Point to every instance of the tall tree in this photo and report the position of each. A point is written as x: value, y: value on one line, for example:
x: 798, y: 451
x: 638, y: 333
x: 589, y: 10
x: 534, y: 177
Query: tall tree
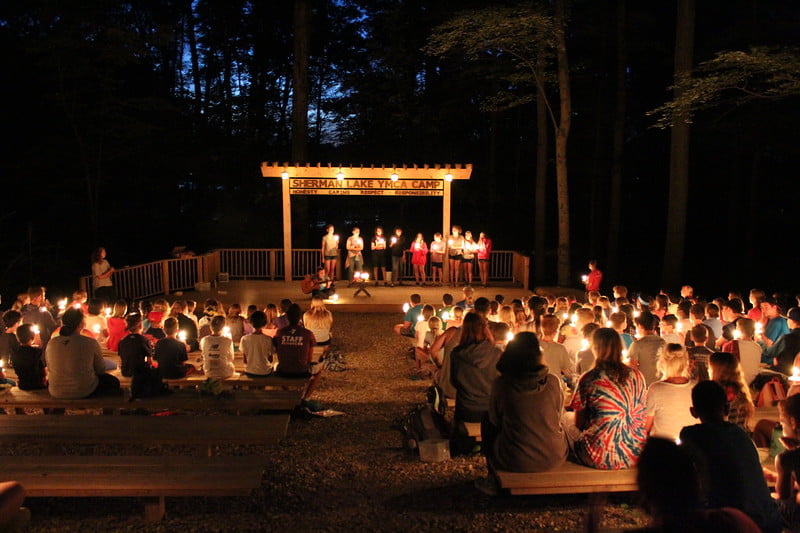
x: 300, y: 85
x: 679, y: 149
x: 615, y: 192
x: 562, y: 138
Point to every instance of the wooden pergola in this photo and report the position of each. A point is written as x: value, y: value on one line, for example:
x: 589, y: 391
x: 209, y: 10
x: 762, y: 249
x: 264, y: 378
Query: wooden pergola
x: 328, y: 179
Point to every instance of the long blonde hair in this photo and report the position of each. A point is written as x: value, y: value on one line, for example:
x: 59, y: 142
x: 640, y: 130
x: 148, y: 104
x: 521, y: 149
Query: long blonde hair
x: 318, y: 316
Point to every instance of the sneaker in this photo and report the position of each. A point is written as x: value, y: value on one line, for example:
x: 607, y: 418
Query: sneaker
x: 487, y: 485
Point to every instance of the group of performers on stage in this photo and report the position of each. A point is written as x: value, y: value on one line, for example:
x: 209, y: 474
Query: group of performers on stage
x: 461, y: 252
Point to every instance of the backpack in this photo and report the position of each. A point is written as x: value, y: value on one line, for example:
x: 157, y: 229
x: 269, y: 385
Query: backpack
x: 771, y: 393
x: 146, y: 383
x: 422, y: 423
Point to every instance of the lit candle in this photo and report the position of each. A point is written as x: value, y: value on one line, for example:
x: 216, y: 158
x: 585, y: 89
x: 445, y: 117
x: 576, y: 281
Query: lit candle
x: 759, y: 328
x: 614, y: 309
x: 336, y: 238
x: 406, y: 307
x: 565, y: 316
x: 450, y: 242
x: 335, y: 297
x: 445, y: 316
x: 365, y: 276
x: 108, y: 312
x: 420, y: 318
x: 74, y: 306
x: 584, y: 278
x: 636, y: 314
x: 43, y: 309
x: 737, y: 335
x: 679, y: 327
x: 678, y: 441
x: 608, y: 323
x: 226, y: 332
x: 574, y: 319
x: 182, y: 336
x: 394, y: 240
x: 509, y: 336
x: 795, y: 375
x: 585, y: 344
x: 35, y: 329
x: 62, y: 304
x: 625, y: 358
x: 96, y: 329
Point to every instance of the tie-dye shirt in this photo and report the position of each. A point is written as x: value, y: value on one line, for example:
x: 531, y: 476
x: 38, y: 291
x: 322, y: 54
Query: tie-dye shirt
x: 616, y: 413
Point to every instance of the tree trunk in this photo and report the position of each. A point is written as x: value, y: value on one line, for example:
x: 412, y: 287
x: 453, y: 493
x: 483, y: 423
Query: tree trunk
x: 615, y: 192
x: 562, y: 136
x: 300, y: 85
x: 540, y: 211
x: 679, y: 152
x: 195, y: 59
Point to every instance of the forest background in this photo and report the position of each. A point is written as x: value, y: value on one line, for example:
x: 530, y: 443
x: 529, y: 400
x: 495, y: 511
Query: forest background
x: 141, y: 125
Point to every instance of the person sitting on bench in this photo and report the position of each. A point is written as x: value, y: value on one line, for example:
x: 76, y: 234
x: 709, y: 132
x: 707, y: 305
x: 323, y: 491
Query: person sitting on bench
x: 294, y: 345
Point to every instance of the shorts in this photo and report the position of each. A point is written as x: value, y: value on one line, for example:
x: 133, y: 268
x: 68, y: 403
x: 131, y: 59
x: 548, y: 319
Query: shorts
x: 468, y: 261
x: 435, y: 264
x: 406, y: 332
x: 289, y: 375
x: 483, y: 260
x: 458, y: 257
x: 331, y: 257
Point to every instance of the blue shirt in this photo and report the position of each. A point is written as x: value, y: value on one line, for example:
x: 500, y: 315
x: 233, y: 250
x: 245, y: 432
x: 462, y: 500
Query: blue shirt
x: 775, y: 328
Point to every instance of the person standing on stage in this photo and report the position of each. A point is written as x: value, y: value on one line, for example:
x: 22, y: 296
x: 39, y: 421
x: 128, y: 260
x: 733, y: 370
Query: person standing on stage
x: 397, y: 248
x: 595, y: 277
x: 330, y: 252
x: 419, y: 256
x: 355, y: 260
x: 378, y: 247
x: 468, y: 257
x: 101, y: 277
x: 455, y: 245
x: 484, y: 251
x: 437, y: 259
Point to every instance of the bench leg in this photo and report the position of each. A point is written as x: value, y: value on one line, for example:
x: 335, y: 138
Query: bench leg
x: 597, y: 500
x: 154, y: 511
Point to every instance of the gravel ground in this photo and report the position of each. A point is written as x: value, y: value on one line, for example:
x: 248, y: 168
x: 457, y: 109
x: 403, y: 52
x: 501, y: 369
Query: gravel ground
x: 346, y: 473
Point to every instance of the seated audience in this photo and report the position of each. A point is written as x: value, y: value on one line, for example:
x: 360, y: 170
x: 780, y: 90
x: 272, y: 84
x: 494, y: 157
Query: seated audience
x: 217, y: 351
x: 554, y: 354
x: 185, y: 324
x: 473, y: 369
x: 319, y: 320
x: 671, y: 490
x: 522, y: 431
x: 669, y: 400
x: 75, y: 364
x: 135, y: 350
x: 408, y: 327
x: 610, y: 408
x: 8, y: 339
x: 28, y: 361
x: 725, y: 370
x: 117, y: 327
x: 726, y: 455
x: 644, y: 351
x: 170, y: 353
x: 745, y: 349
x: 699, y: 352
x: 294, y: 346
x: 96, y: 322
x: 257, y: 349
x: 235, y: 322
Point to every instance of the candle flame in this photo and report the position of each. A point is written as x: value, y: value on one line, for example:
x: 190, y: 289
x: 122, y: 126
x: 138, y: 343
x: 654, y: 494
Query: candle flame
x: 509, y: 336
x: 406, y: 307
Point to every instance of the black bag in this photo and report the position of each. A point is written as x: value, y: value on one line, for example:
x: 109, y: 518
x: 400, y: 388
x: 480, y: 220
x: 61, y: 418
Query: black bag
x: 146, y: 383
x: 420, y: 424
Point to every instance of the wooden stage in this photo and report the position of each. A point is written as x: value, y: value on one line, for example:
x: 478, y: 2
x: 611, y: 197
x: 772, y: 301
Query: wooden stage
x: 382, y: 300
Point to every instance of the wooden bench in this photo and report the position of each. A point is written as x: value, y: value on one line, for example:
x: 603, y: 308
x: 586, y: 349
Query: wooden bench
x: 205, y: 431
x: 151, y: 476
x: 240, y: 401
x: 238, y: 382
x: 571, y: 478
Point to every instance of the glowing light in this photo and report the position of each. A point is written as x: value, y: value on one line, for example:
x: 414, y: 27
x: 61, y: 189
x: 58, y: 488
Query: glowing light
x: 625, y: 358
x: 394, y: 240
x: 574, y: 319
x: 395, y: 177
x: 584, y: 344
x: 584, y: 278
x: 450, y: 242
x: 678, y: 441
x: 445, y: 316
x: 636, y: 314
x: 335, y: 297
x: 340, y: 176
x: 737, y: 335
x: 759, y: 328
x: 284, y: 175
x: 43, y: 309
x: 448, y: 177
x: 795, y: 375
x: 1, y: 364
x: 608, y: 324
x: 96, y: 328
x: 406, y: 307
x: 226, y: 332
x: 614, y: 309
x: 35, y: 329
x: 107, y: 312
x: 679, y: 327
x: 62, y: 304
x: 365, y: 276
x: 74, y: 306
x: 565, y: 316
x: 420, y: 318
x: 336, y: 238
x: 182, y: 336
x: 509, y: 336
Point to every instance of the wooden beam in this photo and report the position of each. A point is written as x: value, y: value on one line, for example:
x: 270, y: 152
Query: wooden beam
x: 457, y: 171
x: 287, y: 231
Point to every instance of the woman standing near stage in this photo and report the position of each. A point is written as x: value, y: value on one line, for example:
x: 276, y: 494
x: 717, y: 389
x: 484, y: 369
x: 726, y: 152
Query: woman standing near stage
x: 455, y: 245
x: 419, y: 256
x: 378, y: 247
x: 330, y: 252
x: 468, y: 257
x: 484, y: 251
x: 437, y: 258
x: 101, y: 277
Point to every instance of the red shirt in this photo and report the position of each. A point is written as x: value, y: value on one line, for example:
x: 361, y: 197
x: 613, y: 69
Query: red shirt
x: 594, y: 281
x: 419, y: 253
x: 484, y: 248
x: 294, y: 345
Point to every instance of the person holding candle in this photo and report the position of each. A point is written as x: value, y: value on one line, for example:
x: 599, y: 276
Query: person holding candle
x: 455, y: 249
x: 96, y: 322
x: 116, y: 325
x: 554, y: 354
x: 645, y: 350
x: 745, y: 349
x: 185, y: 324
x: 28, y: 362
x: 330, y: 251
x: 438, y: 248
x: 378, y: 247
x: 468, y: 257
x: 726, y: 370
x: 594, y: 278
x: 8, y: 339
x: 408, y: 327
x: 775, y: 324
x: 419, y: 257
x: 38, y: 312
x: 135, y: 350
x: 782, y: 353
x: 610, y: 408
x: 669, y: 400
x: 170, y: 353
x: 355, y: 259
x: 397, y: 248
x: 484, y: 253
x: 101, y: 276
x: 217, y: 351
x: 257, y: 349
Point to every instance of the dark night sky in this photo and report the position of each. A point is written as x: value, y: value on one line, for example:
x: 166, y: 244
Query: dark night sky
x: 85, y: 105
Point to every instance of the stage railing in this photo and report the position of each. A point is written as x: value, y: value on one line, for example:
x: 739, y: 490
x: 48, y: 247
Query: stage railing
x: 170, y: 275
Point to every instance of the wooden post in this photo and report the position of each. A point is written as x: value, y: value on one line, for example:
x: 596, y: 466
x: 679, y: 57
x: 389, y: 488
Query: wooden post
x: 165, y: 276
x: 446, y: 230
x: 287, y: 231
